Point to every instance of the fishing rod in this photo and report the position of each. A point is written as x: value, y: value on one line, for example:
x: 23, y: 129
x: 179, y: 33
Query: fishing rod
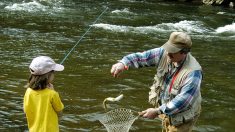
x: 66, y: 56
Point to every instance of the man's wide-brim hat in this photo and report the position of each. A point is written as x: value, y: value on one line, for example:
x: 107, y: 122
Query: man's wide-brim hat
x: 177, y: 41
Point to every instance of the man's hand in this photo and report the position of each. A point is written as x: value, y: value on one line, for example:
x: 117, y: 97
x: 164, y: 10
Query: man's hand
x: 117, y: 69
x: 150, y: 113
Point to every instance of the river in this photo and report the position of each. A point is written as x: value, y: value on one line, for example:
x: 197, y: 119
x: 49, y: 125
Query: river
x: 31, y: 28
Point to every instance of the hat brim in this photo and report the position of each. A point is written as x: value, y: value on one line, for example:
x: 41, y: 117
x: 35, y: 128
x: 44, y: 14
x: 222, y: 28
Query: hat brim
x: 170, y: 48
x: 58, y: 67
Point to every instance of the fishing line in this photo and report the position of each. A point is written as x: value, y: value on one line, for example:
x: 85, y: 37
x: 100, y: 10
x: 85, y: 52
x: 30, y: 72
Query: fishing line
x: 66, y: 56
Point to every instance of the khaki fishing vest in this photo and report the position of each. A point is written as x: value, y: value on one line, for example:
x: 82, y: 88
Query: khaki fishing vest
x: 189, y: 65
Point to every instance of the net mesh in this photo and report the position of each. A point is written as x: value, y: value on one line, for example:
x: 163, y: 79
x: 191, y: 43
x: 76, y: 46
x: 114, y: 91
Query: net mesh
x: 118, y: 120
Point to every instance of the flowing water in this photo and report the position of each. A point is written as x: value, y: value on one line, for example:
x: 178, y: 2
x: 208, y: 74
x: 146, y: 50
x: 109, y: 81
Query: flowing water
x: 32, y: 28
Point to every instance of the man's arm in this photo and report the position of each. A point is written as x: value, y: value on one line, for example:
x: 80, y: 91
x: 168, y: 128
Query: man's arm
x: 146, y: 58
x: 141, y: 59
x: 189, y: 91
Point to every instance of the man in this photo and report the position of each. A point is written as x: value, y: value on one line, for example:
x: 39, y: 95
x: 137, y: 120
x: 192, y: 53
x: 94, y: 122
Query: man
x: 175, y: 93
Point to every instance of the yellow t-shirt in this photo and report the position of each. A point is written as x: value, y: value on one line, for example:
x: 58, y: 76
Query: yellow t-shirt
x: 41, y: 107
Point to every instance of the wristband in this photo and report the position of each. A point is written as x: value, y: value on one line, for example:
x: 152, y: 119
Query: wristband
x: 126, y: 67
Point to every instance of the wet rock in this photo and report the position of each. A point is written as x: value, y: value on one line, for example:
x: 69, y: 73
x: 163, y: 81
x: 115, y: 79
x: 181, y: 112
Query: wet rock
x: 227, y: 3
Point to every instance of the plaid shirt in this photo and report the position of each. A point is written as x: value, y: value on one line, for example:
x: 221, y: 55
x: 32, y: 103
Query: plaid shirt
x: 189, y: 90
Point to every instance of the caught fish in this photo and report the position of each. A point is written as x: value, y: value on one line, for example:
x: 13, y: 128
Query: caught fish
x: 111, y: 99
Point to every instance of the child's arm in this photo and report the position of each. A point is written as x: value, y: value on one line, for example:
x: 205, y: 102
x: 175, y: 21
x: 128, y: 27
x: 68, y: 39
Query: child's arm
x: 57, y: 104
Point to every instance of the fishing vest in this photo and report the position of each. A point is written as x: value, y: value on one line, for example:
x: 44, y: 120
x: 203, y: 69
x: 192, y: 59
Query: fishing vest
x: 190, y: 64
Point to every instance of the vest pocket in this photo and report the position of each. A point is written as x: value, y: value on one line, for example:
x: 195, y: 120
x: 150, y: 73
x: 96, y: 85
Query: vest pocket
x: 188, y: 116
x: 181, y: 118
x: 176, y: 120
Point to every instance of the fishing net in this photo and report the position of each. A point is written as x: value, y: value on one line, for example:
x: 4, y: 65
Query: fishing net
x: 118, y: 120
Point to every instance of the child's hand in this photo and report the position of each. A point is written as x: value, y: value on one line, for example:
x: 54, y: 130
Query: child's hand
x: 50, y: 86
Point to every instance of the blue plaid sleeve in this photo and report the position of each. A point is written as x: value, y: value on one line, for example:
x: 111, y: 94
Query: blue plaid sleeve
x: 143, y: 59
x: 189, y: 91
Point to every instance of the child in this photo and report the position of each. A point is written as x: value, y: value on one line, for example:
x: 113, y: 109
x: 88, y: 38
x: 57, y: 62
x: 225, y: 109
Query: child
x: 42, y: 103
